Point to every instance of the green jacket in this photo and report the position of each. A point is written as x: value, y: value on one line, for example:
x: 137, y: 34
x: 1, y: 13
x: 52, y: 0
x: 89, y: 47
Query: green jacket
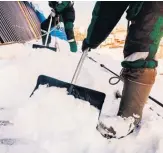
x: 65, y: 9
x: 60, y: 6
x: 105, y: 16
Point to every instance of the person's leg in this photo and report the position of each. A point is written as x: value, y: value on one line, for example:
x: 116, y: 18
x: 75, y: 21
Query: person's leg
x: 70, y: 36
x: 141, y: 45
x: 137, y: 86
x: 68, y: 19
x: 138, y: 71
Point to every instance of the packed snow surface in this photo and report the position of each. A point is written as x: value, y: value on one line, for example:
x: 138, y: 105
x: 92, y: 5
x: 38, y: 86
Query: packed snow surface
x: 52, y: 121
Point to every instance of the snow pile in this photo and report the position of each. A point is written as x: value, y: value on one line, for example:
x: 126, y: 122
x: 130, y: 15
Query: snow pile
x: 116, y: 126
x: 52, y: 121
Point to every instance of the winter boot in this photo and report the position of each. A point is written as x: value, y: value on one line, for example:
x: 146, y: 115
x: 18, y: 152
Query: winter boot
x: 73, y: 46
x: 136, y: 89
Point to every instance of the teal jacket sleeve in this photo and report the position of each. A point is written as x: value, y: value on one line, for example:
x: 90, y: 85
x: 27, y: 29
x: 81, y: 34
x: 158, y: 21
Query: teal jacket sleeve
x: 105, y: 16
x: 60, y: 7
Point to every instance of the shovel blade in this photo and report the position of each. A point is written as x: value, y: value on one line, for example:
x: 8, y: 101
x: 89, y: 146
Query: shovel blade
x: 94, y: 97
x: 41, y: 46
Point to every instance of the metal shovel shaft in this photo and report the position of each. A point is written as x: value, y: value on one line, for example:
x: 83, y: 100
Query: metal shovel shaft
x: 78, y: 69
x: 48, y: 31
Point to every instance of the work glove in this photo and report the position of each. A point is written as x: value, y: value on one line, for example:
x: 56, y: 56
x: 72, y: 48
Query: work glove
x: 85, y: 46
x: 53, y: 13
x: 55, y: 16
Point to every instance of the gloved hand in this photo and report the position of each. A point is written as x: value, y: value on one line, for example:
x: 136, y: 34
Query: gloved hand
x: 53, y: 13
x: 55, y: 16
x: 85, y: 46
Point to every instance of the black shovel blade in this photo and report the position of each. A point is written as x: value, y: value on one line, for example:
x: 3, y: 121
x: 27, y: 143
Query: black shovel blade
x: 41, y: 46
x: 94, y: 97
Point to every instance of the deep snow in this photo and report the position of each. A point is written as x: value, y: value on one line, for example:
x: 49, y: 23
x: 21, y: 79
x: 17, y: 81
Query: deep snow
x: 53, y: 122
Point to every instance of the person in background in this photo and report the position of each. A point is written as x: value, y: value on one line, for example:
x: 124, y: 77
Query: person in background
x: 139, y: 64
x: 64, y: 11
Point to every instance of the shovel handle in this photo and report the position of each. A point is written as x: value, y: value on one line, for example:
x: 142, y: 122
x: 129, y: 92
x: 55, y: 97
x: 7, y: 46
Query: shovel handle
x: 79, y: 66
x: 78, y: 69
x: 47, y: 36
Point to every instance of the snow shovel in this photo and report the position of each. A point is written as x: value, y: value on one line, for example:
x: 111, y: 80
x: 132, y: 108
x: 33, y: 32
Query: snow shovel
x: 94, y: 97
x: 47, y: 36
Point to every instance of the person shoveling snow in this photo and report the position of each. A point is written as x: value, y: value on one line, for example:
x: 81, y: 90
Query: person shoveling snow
x: 139, y: 65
